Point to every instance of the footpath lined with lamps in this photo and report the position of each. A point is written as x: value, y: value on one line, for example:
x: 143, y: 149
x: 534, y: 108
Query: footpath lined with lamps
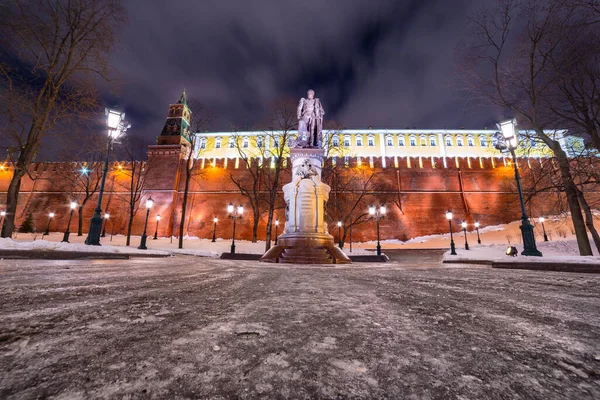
x: 508, y: 140
x: 73, y: 206
x: 149, y: 205
x: 116, y: 124
x: 377, y: 214
x: 235, y: 214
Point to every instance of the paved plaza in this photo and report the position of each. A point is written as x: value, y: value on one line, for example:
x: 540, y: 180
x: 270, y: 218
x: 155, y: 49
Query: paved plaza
x: 189, y: 327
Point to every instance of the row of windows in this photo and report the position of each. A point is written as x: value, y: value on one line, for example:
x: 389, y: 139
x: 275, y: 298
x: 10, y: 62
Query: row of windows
x: 422, y: 141
x: 412, y: 141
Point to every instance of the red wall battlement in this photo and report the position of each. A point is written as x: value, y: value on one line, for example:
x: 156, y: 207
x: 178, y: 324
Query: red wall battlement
x: 476, y: 189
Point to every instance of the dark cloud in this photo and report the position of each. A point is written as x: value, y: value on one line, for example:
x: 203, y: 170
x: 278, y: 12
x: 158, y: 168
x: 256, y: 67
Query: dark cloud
x: 381, y: 63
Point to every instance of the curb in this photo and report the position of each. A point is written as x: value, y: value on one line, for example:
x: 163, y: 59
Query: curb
x: 558, y: 267
x: 537, y: 266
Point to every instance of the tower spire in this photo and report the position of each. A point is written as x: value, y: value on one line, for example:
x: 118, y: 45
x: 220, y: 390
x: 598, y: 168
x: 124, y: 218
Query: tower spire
x: 183, y: 99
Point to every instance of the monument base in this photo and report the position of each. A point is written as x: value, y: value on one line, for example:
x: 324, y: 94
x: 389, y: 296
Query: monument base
x: 305, y: 248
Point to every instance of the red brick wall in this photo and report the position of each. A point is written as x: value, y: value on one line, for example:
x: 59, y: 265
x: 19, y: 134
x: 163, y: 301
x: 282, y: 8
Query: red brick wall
x: 487, y: 195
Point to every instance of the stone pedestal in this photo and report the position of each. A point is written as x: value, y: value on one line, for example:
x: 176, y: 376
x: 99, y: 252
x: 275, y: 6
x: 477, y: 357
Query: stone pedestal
x: 305, y: 239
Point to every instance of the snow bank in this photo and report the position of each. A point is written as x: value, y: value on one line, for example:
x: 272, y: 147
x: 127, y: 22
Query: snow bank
x: 45, y: 245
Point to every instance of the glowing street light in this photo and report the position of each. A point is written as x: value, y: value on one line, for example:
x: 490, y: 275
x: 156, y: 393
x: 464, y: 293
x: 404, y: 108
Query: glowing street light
x: 377, y: 214
x: 509, y: 134
x: 158, y: 217
x: 542, y: 219
x: 115, y: 121
x: 215, y: 220
x: 276, y: 226
x: 149, y: 205
x: 477, y: 229
x: 235, y: 215
x: 106, y: 217
x: 50, y: 218
x: 464, y: 226
x: 339, y: 225
x: 452, y: 246
x: 73, y: 206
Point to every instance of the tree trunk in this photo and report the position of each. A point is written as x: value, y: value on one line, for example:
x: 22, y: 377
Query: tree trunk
x: 129, y: 225
x: 255, y: 225
x: 583, y: 241
x: 80, y: 220
x: 12, y: 199
x: 184, y: 206
x: 589, y: 219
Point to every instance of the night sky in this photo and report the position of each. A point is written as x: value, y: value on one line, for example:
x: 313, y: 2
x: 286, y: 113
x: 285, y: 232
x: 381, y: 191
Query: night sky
x: 380, y: 63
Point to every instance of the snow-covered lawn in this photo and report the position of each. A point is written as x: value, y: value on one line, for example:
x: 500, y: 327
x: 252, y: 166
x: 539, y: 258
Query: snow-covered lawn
x: 553, y: 252
x: 57, y: 246
x: 494, y: 242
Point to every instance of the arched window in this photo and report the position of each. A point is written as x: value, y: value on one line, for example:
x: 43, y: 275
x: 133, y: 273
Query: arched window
x: 335, y: 140
x: 460, y: 142
x: 389, y: 140
x: 448, y: 140
x: 483, y: 141
x: 347, y: 140
x: 231, y: 142
x: 401, y: 140
x: 470, y: 141
x: 423, y: 140
x: 218, y: 143
x: 276, y: 142
x: 203, y: 143
x: 260, y: 141
x: 413, y: 140
x: 245, y: 142
x: 359, y: 140
x: 432, y: 140
x: 371, y: 140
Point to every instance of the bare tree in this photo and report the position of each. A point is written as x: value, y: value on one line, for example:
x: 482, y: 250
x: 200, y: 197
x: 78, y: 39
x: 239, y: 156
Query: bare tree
x: 507, y: 61
x: 83, y: 180
x: 133, y: 180
x: 200, y: 120
x: 250, y: 175
x: 281, y: 132
x: 353, y: 191
x: 60, y: 47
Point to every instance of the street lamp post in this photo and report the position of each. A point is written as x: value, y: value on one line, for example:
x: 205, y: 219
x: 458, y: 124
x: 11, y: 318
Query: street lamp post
x: 377, y: 215
x: 276, y: 229
x: 464, y: 226
x: 68, y: 232
x: 158, y: 217
x: 339, y: 225
x: 2, y: 216
x: 510, y: 142
x: 477, y: 229
x: 215, y: 220
x: 452, y: 246
x: 116, y: 124
x: 234, y: 214
x: 149, y: 204
x: 106, y: 217
x: 542, y: 219
x: 50, y: 217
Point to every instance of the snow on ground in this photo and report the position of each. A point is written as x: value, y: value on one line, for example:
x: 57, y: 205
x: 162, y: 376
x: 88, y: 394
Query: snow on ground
x: 221, y: 329
x: 50, y: 246
x: 553, y: 252
x: 494, y: 239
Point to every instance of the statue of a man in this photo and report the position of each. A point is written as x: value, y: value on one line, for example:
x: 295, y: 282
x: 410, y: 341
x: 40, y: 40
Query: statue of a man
x: 310, y: 121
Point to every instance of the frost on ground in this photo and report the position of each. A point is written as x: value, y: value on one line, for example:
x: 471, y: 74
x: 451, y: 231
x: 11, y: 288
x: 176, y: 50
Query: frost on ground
x: 186, y: 327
